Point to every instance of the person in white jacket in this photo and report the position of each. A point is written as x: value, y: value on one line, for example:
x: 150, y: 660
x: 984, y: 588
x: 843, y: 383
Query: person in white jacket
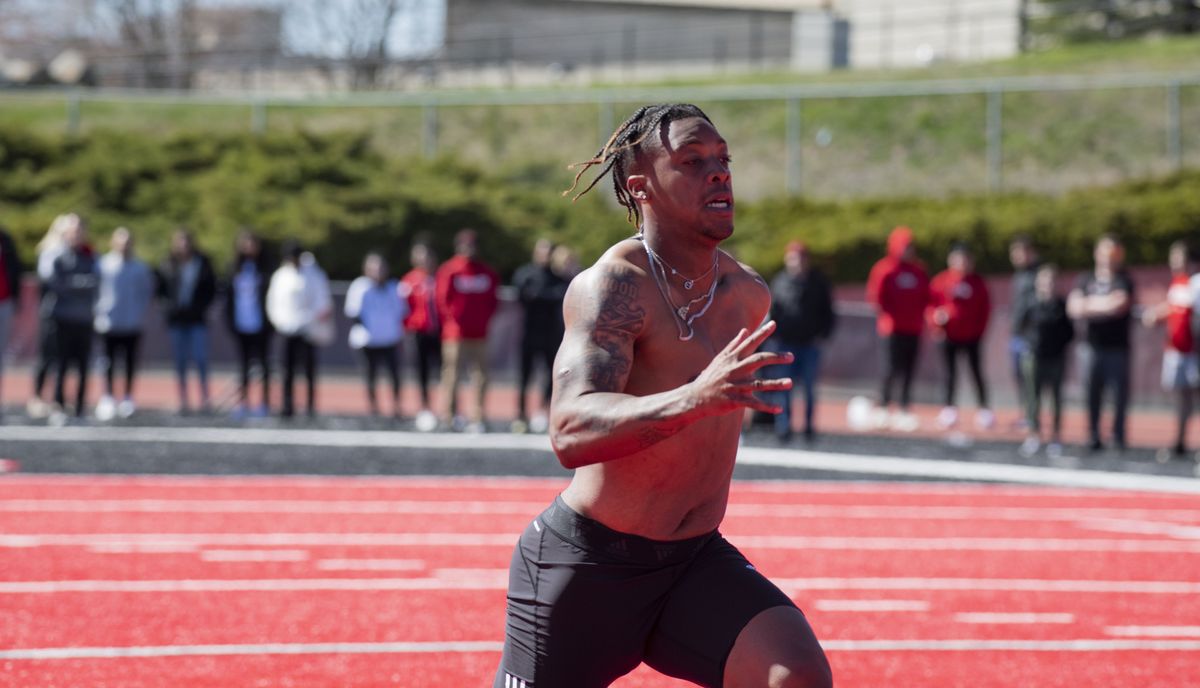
x: 298, y: 306
x: 377, y: 309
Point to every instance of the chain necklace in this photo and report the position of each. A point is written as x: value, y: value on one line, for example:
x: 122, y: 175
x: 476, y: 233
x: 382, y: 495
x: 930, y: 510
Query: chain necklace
x: 683, y: 315
x: 688, y: 283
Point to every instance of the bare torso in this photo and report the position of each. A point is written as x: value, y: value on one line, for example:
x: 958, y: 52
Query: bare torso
x: 675, y: 487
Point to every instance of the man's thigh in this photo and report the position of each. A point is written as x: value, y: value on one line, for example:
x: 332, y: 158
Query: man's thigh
x: 708, y: 608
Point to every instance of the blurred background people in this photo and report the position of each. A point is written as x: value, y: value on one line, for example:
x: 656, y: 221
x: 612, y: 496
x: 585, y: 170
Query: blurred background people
x: 540, y: 291
x: 187, y: 286
x: 1047, y: 331
x: 10, y: 295
x: 467, y: 300
x: 246, y: 317
x: 48, y: 250
x: 898, y: 287
x: 419, y: 288
x: 1023, y: 256
x: 71, y: 304
x: 1180, y: 365
x: 959, y: 310
x: 1103, y: 299
x: 374, y: 304
x: 295, y: 305
x: 126, y: 287
x: 802, y: 308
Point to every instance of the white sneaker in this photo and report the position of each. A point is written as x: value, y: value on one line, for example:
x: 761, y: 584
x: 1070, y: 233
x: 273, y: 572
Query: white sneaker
x: 126, y: 408
x: 106, y: 408
x: 539, y: 423
x: 948, y: 418
x: 37, y: 409
x: 426, y: 421
x: 985, y: 419
x: 475, y: 428
x: 1030, y: 447
x: 57, y: 417
x: 880, y: 418
x: 1054, y: 450
x: 903, y: 421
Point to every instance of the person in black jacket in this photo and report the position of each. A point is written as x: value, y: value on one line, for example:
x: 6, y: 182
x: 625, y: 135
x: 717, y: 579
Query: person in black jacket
x: 802, y: 308
x: 71, y: 303
x: 1023, y: 255
x: 187, y: 286
x: 1047, y: 331
x: 10, y: 292
x: 246, y: 317
x: 541, y: 290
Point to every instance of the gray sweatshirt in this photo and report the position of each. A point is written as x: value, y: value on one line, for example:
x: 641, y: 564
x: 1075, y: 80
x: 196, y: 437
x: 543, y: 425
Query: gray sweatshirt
x: 126, y: 287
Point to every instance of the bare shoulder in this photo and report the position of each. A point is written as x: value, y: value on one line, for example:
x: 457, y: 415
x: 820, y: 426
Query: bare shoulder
x: 749, y: 286
x: 608, y: 295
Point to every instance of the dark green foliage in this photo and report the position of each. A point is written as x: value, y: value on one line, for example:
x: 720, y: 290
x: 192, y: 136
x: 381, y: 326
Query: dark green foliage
x: 340, y: 196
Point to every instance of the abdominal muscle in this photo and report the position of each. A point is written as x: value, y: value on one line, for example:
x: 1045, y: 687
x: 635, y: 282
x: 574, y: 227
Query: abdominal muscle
x: 676, y: 489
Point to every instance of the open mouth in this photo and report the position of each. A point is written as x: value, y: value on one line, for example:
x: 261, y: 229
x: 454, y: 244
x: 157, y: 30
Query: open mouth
x: 720, y: 203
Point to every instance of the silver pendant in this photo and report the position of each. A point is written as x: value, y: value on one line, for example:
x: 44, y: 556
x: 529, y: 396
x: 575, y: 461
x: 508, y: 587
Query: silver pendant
x: 688, y: 284
x: 683, y: 311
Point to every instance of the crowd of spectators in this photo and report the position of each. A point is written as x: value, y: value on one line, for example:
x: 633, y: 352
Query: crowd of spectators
x: 283, y: 311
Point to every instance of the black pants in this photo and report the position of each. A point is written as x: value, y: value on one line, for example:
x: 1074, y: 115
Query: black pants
x: 385, y: 356
x: 254, y: 348
x: 125, y: 346
x: 900, y: 362
x: 74, y: 348
x: 533, y: 351
x: 429, y: 354
x: 1042, y: 374
x: 47, y: 354
x: 298, y: 351
x: 950, y: 353
x: 1108, y: 368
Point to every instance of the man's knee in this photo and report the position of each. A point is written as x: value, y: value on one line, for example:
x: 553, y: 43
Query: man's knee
x: 811, y: 672
x: 777, y: 649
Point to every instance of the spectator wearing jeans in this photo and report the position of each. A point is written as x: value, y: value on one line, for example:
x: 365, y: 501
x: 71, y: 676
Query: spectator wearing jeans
x: 541, y: 291
x: 374, y: 304
x: 10, y: 293
x: 74, y: 279
x: 1103, y: 299
x: 802, y: 308
x: 187, y: 286
x: 126, y: 287
x: 246, y: 318
x: 898, y: 287
x: 959, y: 309
x: 1180, y: 366
x: 419, y: 287
x: 466, y: 295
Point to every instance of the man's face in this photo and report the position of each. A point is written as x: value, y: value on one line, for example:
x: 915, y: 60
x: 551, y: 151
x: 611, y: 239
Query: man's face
x: 961, y: 261
x: 181, y: 244
x: 1108, y: 254
x: 541, y: 252
x: 795, y: 261
x: 374, y: 268
x: 466, y: 247
x: 687, y: 178
x: 120, y: 241
x: 1020, y: 254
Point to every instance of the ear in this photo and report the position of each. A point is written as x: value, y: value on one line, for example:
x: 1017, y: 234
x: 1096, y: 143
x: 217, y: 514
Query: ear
x: 638, y: 186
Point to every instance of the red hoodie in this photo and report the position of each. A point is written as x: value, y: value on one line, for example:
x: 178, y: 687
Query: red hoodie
x: 898, y: 289
x: 466, y: 298
x: 421, y: 292
x: 1179, y: 315
x: 964, y: 299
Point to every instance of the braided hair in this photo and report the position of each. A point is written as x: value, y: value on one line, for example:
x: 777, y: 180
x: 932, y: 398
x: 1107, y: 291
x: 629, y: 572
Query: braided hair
x: 618, y: 154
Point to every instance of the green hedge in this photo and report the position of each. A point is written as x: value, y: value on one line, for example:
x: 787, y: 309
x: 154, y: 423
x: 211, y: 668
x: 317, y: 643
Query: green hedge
x: 342, y: 197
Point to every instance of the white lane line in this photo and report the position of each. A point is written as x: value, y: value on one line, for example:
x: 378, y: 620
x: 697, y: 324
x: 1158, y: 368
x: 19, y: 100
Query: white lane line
x: 1081, y: 645
x: 156, y: 547
x: 775, y: 542
x: 1096, y: 517
x: 263, y: 649
x: 371, y: 565
x: 1027, y: 618
x: 1143, y: 527
x: 871, y: 605
x: 1154, y: 631
x: 253, y: 555
x: 992, y: 584
x: 539, y: 445
x: 497, y: 579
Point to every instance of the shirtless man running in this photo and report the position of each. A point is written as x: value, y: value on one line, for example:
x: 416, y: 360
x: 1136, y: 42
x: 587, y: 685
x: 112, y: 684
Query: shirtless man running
x: 651, y: 381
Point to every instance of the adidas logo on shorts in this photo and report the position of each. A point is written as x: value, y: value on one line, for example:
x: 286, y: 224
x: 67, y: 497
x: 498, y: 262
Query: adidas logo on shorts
x: 511, y: 681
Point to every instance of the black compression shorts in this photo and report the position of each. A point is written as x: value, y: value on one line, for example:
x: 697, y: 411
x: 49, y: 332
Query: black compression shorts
x: 588, y: 604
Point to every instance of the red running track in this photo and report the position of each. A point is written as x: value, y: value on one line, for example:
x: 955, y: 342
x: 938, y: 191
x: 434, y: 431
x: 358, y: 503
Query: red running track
x: 149, y: 581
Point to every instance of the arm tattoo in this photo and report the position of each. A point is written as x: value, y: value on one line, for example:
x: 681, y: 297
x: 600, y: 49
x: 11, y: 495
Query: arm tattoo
x: 619, y: 319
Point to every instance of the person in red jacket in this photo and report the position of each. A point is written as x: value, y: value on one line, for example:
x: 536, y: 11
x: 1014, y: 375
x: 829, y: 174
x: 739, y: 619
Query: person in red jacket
x: 959, y: 309
x: 419, y: 287
x: 1180, y: 366
x: 466, y: 297
x: 898, y: 287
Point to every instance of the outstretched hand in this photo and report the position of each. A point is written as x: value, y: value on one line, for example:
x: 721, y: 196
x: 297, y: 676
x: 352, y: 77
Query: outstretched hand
x: 728, y: 383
